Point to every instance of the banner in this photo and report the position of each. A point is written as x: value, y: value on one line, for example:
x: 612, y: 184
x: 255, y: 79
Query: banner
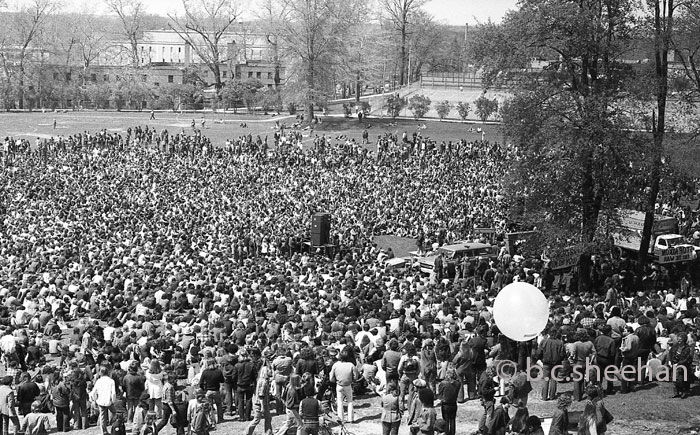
x: 676, y: 254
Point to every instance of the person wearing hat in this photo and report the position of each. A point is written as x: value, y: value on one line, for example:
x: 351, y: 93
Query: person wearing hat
x: 35, y: 422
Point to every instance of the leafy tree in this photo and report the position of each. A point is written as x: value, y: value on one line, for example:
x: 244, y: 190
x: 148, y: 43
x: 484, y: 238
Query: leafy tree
x: 419, y: 105
x: 578, y: 151
x: 443, y: 109
x: 463, y: 110
x: 314, y: 33
x: 485, y: 107
x: 394, y: 104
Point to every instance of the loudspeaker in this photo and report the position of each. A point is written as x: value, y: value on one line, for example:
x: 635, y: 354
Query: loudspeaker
x: 320, y: 229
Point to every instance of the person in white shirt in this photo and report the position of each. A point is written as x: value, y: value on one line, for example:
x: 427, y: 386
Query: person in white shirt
x: 104, y: 393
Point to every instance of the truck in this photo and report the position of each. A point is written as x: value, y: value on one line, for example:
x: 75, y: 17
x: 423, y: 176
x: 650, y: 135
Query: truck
x: 666, y: 245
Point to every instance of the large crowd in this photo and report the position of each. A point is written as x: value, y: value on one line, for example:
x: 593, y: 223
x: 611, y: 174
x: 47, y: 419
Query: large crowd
x: 153, y: 279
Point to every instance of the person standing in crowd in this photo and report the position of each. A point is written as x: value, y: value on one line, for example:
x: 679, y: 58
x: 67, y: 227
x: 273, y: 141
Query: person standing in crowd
x: 7, y: 406
x: 629, y: 349
x: 244, y: 375
x: 606, y: 354
x: 104, y: 394
x: 27, y: 391
x: 391, y: 409
x: 61, y: 403
x: 447, y: 392
x: 344, y: 373
x: 210, y: 381
x: 681, y: 358
x: 261, y: 400
x: 154, y: 387
x: 584, y: 352
x: 310, y: 412
x: 133, y: 385
x: 551, y: 352
x: 500, y: 420
x: 560, y: 418
x: 487, y: 391
x: 169, y: 397
x: 291, y: 403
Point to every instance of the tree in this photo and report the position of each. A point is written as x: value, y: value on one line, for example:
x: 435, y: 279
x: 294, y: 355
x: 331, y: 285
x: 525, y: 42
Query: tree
x: 314, y: 34
x: 131, y: 16
x: 463, y: 110
x: 485, y: 107
x: 203, y: 27
x: 419, y: 105
x: 443, y: 109
x: 578, y: 150
x: 394, y: 104
x: 400, y: 13
x: 21, y: 32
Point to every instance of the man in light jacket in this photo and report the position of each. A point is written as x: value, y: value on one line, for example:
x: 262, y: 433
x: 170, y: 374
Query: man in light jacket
x: 104, y: 393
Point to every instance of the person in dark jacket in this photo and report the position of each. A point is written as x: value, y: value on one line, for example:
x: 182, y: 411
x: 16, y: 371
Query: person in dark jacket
x: 647, y: 340
x: 681, y: 356
x: 244, y: 376
x: 210, y: 381
x: 447, y: 391
x: 133, y: 385
x: 479, y: 346
x: 61, y: 402
x: 487, y: 390
x: 27, y: 391
x: 606, y: 353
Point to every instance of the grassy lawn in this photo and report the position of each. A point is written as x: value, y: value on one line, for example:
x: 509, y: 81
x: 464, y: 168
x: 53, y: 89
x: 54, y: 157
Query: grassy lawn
x: 220, y: 127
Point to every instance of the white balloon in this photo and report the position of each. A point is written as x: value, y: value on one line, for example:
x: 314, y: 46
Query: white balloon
x: 520, y: 311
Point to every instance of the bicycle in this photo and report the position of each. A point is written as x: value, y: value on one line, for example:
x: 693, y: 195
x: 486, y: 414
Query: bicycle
x: 327, y: 429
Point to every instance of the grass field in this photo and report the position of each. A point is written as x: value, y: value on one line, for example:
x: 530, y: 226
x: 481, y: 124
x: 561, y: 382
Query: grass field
x: 219, y: 127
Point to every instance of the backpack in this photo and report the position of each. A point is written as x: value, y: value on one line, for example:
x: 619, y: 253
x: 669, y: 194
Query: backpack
x: 118, y: 427
x: 201, y: 422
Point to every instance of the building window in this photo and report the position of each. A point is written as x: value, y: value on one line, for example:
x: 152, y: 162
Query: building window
x: 171, y: 79
x: 106, y: 77
x: 269, y: 76
x: 258, y: 75
x: 250, y: 74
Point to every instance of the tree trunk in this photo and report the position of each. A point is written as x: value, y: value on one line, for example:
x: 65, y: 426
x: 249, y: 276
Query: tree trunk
x: 358, y: 87
x: 663, y: 29
x: 310, y: 83
x: 402, y: 80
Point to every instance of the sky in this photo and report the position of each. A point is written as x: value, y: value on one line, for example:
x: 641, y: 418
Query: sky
x: 459, y: 12
x: 454, y: 12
